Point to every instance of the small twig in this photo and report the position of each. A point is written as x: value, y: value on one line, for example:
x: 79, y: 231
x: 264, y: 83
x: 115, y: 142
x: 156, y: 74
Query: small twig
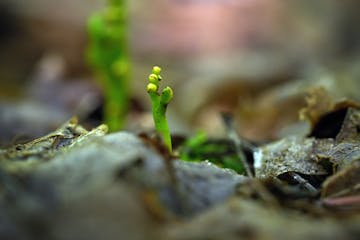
x: 303, y: 182
x: 239, y: 143
x: 343, y: 202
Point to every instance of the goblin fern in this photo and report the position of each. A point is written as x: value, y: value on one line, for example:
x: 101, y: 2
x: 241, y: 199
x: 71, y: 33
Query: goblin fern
x: 108, y: 55
x: 159, y: 102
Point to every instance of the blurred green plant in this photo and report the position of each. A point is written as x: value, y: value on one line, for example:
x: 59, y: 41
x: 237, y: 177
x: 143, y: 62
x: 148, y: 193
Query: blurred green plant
x: 159, y: 104
x: 220, y: 152
x: 108, y: 55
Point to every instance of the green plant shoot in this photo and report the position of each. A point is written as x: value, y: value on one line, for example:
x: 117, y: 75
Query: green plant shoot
x: 107, y: 53
x: 217, y: 151
x: 159, y: 102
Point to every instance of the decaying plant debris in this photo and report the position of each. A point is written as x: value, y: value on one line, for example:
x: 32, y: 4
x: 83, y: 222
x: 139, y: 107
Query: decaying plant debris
x: 81, y: 184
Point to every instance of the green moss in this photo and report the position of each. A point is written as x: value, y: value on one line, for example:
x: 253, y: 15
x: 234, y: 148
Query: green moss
x: 217, y: 151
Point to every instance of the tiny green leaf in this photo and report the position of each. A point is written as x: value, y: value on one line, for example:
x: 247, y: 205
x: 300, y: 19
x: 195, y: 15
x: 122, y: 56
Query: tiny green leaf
x: 166, y: 95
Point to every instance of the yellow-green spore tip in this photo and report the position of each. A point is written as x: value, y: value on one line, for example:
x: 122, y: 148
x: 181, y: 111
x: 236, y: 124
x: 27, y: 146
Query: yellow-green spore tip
x: 156, y: 70
x: 153, y: 78
x: 151, y: 88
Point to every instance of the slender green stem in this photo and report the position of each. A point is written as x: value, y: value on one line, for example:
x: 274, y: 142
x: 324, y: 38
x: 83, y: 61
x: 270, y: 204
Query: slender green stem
x: 161, y: 124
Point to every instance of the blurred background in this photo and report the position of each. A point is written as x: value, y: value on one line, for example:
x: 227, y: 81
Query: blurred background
x: 256, y: 58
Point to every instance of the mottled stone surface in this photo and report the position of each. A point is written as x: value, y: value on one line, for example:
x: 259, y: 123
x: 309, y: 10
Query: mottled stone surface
x: 292, y: 154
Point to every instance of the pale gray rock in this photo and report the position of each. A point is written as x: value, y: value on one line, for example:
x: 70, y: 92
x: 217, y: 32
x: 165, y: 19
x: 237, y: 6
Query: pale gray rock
x: 94, y: 164
x: 205, y: 184
x: 98, y: 186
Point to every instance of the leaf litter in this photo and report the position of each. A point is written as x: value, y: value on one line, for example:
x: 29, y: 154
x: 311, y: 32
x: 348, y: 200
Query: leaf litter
x: 298, y: 187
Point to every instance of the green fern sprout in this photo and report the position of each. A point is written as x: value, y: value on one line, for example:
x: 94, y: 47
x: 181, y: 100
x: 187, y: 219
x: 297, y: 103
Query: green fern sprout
x: 159, y: 104
x: 108, y: 55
